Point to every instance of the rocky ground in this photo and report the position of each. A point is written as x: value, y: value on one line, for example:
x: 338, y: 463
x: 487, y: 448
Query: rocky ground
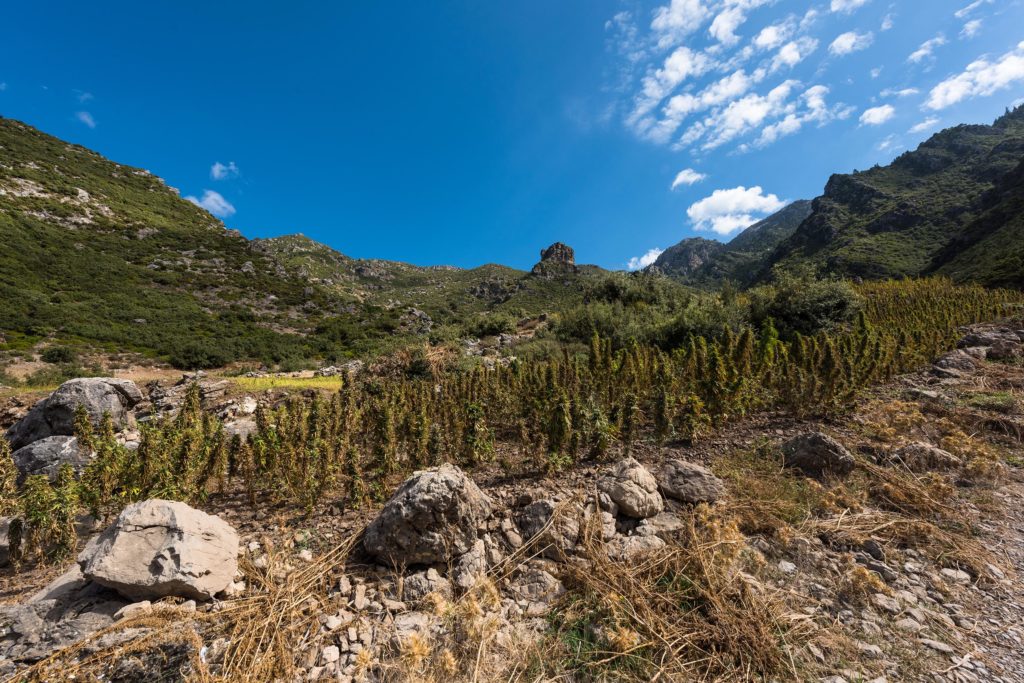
x: 883, y: 544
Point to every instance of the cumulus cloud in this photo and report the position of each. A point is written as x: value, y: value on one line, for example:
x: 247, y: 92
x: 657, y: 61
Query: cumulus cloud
x: 638, y: 262
x: 221, y: 171
x: 682, y: 64
x: 927, y: 49
x: 675, y: 21
x: 213, y: 202
x: 794, y: 52
x: 86, y: 118
x: 814, y: 109
x: 847, y: 6
x: 927, y: 124
x: 771, y: 37
x: 851, y: 41
x: 727, y: 211
x: 687, y: 177
x: 981, y: 78
x: 876, y: 116
x: 971, y: 28
x: 887, y: 22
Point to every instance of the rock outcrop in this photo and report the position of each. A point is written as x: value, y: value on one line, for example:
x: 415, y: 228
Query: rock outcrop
x: 923, y: 457
x: 689, y: 483
x: 558, y: 259
x: 55, y: 415
x: 816, y: 454
x: 432, y: 518
x: 158, y: 548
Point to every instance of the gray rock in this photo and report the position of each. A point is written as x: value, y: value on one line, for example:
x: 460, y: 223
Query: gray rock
x: 630, y: 548
x: 158, y: 548
x: 5, y: 548
x: 923, y: 457
x: 817, y: 454
x: 420, y: 584
x: 55, y: 415
x: 663, y: 526
x: 47, y: 455
x: 689, y: 482
x: 633, y: 489
x: 556, y: 539
x: 432, y: 518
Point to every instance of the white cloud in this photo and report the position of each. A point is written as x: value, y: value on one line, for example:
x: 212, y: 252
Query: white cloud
x: 961, y: 13
x: 772, y: 36
x: 3, y: 86
x: 815, y: 110
x: 876, y: 116
x: 980, y: 78
x: 927, y: 124
x: 927, y: 49
x: 221, y: 171
x: 214, y: 203
x: 723, y: 28
x: 971, y: 28
x: 851, y: 41
x: 86, y: 118
x: 638, y: 262
x: 794, y: 52
x: 876, y: 72
x: 677, y: 20
x: 890, y: 142
x: 682, y: 64
x: 887, y: 22
x: 727, y: 211
x: 687, y: 177
x: 905, y: 92
x: 84, y: 96
x: 847, y: 6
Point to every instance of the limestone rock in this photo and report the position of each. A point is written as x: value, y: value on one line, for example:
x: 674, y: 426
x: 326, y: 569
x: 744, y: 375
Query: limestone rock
x: 420, y: 584
x: 557, y: 539
x: 689, y: 482
x: 432, y: 518
x: 47, y: 455
x: 158, y: 548
x: 817, y: 454
x: 923, y: 457
x: 55, y: 415
x: 558, y: 259
x: 633, y: 489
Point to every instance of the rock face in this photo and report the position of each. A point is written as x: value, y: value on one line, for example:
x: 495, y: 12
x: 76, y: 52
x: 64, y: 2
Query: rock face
x: 158, y: 548
x: 558, y: 259
x: 432, y: 518
x: 633, y: 489
x: 923, y: 457
x: 46, y: 456
x: 55, y: 415
x: 689, y: 483
x: 817, y: 454
x: 555, y: 530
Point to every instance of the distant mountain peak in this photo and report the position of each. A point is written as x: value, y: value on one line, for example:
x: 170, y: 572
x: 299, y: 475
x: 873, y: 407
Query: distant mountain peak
x: 558, y: 259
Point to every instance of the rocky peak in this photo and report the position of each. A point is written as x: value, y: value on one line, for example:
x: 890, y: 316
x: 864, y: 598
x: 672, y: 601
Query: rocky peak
x: 557, y: 259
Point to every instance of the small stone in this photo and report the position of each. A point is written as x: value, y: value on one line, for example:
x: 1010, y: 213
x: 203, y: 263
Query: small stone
x: 955, y: 575
x: 330, y: 654
x: 133, y: 610
x: 359, y: 600
x: 936, y: 645
x: 908, y: 625
x: 306, y: 555
x: 885, y: 603
x: 787, y: 567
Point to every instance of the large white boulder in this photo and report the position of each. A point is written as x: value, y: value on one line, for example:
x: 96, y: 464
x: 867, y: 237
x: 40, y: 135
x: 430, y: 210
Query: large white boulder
x: 633, y: 489
x: 157, y: 548
x: 432, y: 518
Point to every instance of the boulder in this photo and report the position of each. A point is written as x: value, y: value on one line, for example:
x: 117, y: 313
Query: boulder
x: 432, y: 518
x: 1003, y: 350
x: 923, y: 457
x: 633, y: 489
x: 47, y: 455
x: 554, y: 529
x: 157, y: 548
x: 689, y: 482
x: 817, y: 454
x: 957, y: 360
x: 417, y: 586
x: 55, y: 415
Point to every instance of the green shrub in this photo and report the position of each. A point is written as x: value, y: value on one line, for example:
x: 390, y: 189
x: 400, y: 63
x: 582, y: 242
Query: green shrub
x: 59, y: 354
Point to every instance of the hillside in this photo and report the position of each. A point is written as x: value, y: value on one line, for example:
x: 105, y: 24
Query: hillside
x: 949, y: 207
x: 709, y: 263
x: 101, y: 254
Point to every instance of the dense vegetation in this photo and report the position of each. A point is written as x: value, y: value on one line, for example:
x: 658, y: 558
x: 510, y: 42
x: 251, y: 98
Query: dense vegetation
x: 529, y: 416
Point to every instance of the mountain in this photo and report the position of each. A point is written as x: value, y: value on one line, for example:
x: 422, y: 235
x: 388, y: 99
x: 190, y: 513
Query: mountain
x: 952, y: 206
x: 102, y: 254
x: 708, y: 263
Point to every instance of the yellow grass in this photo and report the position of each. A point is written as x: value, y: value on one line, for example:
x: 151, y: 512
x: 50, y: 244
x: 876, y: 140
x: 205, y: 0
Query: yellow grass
x: 265, y: 383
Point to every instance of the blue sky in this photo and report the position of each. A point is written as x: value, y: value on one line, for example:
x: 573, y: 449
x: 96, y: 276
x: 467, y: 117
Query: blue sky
x: 466, y: 132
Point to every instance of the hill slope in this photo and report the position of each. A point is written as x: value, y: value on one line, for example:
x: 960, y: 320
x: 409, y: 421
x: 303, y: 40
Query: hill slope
x: 101, y: 253
x: 951, y: 206
x: 709, y: 263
